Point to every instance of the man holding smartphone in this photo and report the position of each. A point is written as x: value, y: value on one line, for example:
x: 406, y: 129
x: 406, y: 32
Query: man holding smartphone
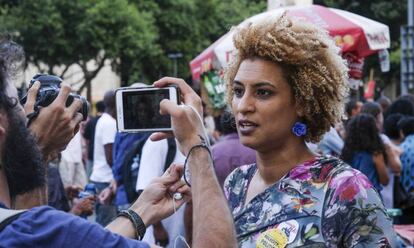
x: 46, y: 227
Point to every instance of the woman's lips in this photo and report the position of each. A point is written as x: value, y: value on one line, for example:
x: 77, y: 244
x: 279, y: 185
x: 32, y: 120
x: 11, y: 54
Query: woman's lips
x: 246, y: 127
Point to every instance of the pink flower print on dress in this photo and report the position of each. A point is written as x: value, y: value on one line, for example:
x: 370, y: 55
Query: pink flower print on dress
x: 301, y: 173
x: 348, y: 184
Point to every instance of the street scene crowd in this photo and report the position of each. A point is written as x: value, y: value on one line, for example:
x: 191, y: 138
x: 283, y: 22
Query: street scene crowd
x: 292, y: 159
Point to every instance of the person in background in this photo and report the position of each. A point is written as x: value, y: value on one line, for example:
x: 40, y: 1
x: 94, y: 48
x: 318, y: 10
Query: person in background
x: 102, y: 175
x: 409, y: 97
x: 385, y: 103
x: 392, y: 152
x: 391, y: 128
x: 152, y: 165
x: 406, y: 125
x: 70, y: 164
x: 60, y: 197
x: 401, y: 106
x: 364, y: 149
x: 331, y: 143
x: 228, y: 153
x: 352, y: 108
x: 89, y: 135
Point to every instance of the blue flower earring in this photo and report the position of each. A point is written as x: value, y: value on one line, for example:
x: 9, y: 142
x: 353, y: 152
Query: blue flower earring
x: 299, y: 129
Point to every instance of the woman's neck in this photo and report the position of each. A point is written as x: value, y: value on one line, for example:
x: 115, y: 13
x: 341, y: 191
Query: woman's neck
x: 274, y: 164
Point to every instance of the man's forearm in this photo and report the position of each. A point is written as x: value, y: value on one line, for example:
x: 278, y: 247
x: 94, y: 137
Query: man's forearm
x: 123, y: 227
x: 212, y: 221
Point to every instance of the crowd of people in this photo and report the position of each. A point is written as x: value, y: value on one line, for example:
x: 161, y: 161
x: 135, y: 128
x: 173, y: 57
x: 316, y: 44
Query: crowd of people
x: 375, y: 138
x: 286, y: 168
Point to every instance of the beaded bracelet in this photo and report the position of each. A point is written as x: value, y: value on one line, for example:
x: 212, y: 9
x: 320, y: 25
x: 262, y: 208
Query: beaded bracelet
x: 188, y: 155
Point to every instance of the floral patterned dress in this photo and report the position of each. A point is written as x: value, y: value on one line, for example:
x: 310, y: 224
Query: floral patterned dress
x: 320, y: 203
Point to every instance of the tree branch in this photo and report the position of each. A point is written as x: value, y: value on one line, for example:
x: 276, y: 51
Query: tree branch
x: 100, y: 65
x: 64, y: 71
x: 73, y: 74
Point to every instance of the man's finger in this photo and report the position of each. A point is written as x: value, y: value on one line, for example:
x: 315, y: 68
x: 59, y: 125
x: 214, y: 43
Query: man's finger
x: 165, y: 81
x: 63, y: 95
x: 169, y: 178
x: 75, y: 122
x: 161, y: 135
x: 31, y: 97
x: 173, y: 188
x: 75, y: 106
x: 169, y: 107
x: 189, y: 96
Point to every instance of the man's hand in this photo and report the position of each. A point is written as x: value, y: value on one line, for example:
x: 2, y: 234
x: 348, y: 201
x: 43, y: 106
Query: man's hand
x: 72, y: 191
x: 187, y: 127
x: 156, y: 201
x: 56, y: 124
x: 83, y: 206
x: 107, y: 195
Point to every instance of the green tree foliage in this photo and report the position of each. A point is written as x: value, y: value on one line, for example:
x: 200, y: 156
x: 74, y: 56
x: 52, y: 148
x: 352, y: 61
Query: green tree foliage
x: 189, y: 27
x: 136, y: 35
x: 58, y: 34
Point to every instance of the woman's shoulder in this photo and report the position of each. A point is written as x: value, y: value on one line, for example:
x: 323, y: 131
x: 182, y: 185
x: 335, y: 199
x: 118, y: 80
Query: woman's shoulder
x: 239, y: 176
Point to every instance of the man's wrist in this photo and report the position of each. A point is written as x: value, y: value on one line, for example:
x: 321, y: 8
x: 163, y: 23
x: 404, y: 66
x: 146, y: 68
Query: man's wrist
x: 136, y: 221
x: 145, y: 214
x: 196, y: 140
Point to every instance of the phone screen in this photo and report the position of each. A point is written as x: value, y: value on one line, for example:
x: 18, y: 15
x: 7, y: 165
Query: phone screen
x: 142, y: 109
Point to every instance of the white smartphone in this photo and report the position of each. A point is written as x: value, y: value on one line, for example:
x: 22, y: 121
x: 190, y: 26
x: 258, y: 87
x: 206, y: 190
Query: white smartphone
x: 138, y: 109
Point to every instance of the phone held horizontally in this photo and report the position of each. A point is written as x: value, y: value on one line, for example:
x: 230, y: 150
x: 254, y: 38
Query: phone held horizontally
x: 138, y: 109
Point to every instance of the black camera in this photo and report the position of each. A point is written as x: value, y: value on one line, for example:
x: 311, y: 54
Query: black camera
x: 49, y: 90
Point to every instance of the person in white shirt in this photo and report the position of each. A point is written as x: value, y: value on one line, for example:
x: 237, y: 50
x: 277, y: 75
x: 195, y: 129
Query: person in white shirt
x: 152, y: 164
x: 102, y: 173
x: 71, y: 167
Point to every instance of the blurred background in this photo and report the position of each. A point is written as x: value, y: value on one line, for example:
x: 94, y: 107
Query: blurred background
x: 96, y: 45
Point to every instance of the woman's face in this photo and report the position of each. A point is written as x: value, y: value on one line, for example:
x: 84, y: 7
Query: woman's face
x: 263, y: 104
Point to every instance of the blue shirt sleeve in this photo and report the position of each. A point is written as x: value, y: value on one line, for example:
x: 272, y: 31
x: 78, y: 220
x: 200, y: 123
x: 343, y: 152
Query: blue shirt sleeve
x: 47, y: 227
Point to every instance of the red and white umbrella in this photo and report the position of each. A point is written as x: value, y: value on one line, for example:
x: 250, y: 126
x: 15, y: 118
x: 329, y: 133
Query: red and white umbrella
x: 354, y: 34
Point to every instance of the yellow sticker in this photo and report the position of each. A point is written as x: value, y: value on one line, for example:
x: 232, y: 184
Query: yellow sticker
x: 272, y: 238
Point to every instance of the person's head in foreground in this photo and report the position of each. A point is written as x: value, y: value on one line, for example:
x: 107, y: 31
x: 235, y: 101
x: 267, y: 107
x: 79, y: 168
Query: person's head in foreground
x: 286, y: 86
x: 21, y: 158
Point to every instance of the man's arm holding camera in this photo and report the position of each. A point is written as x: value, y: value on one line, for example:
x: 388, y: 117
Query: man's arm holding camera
x: 212, y: 221
x: 53, y: 128
x: 56, y: 124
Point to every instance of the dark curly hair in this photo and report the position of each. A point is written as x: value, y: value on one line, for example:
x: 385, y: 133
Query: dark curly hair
x: 406, y: 125
x: 11, y: 60
x: 390, y: 125
x: 361, y: 135
x: 401, y: 106
x: 21, y: 158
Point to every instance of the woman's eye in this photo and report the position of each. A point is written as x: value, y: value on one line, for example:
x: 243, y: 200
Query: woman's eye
x: 263, y: 93
x: 238, y: 92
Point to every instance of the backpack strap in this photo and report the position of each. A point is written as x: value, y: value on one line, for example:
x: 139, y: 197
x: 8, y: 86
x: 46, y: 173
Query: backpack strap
x: 172, y: 149
x: 7, y: 216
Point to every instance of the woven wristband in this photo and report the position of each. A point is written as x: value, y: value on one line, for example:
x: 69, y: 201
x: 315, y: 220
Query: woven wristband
x: 136, y: 222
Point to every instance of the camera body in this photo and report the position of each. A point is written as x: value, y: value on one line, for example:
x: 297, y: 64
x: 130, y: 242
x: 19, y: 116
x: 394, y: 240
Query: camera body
x: 49, y: 90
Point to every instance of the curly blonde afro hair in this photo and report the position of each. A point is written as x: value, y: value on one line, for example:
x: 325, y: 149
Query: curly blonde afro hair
x: 311, y: 63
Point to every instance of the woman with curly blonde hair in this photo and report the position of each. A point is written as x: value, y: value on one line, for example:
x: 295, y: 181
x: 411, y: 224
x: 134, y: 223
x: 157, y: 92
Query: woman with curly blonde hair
x: 286, y: 86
